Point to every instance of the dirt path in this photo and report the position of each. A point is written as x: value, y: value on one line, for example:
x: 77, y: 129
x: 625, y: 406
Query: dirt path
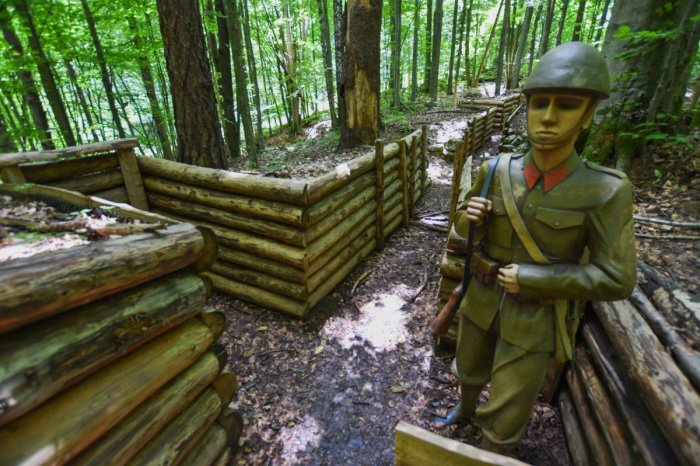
x: 330, y: 390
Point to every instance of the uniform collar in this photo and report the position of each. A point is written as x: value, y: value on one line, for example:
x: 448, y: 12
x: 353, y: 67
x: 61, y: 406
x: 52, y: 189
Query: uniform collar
x: 551, y: 177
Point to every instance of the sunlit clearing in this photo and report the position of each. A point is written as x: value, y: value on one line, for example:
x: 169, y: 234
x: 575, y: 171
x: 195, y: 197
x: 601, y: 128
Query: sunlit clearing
x: 439, y: 175
x: 298, y: 438
x: 382, y: 324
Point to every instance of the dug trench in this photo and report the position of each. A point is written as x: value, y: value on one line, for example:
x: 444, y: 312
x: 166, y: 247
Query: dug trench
x: 331, y: 389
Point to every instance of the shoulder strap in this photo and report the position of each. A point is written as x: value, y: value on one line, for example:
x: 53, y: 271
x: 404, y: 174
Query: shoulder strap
x: 514, y: 214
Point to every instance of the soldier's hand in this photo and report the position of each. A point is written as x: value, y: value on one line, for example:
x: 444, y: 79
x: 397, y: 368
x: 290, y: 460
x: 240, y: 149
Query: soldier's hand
x: 477, y: 208
x: 508, y: 278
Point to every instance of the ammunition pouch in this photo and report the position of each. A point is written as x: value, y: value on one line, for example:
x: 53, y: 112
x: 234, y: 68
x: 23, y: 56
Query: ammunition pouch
x: 483, y: 268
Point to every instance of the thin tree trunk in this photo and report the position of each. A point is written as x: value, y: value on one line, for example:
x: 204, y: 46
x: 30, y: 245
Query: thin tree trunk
x: 437, y: 46
x: 562, y: 20
x: 532, y: 38
x: 547, y: 27
x: 488, y: 44
x: 414, y: 66
x: 259, y: 138
x: 467, y: 74
x: 601, y: 24
x: 502, y: 47
x: 16, y: 120
x: 338, y: 28
x: 87, y: 111
x: 239, y: 68
x: 225, y: 82
x: 515, y: 75
x: 460, y: 41
x: 428, y: 46
x: 106, y: 81
x: 396, y: 56
x: 453, y: 44
x: 576, y: 36
x: 592, y: 17
x: 149, y: 86
x: 327, y: 60
x: 163, y: 84
x: 47, y: 78
x: 29, y: 88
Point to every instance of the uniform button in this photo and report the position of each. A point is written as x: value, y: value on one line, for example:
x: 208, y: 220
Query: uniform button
x: 556, y: 224
x: 529, y: 206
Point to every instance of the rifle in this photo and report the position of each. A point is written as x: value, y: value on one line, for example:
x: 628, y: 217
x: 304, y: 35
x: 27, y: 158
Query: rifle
x: 442, y: 322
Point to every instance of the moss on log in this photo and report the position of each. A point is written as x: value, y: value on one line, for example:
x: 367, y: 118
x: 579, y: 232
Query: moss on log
x: 38, y: 361
x: 87, y: 411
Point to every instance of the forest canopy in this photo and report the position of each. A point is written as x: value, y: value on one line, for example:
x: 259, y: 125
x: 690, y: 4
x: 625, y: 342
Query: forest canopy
x: 205, y: 81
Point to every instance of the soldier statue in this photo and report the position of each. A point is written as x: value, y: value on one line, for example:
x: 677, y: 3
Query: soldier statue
x: 553, y: 231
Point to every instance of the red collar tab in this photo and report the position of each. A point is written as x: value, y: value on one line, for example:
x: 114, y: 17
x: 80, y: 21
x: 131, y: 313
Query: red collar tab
x: 551, y: 178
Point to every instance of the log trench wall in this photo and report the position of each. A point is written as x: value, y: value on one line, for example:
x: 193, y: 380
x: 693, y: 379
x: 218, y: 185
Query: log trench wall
x: 283, y: 244
x: 631, y: 395
x: 106, y: 353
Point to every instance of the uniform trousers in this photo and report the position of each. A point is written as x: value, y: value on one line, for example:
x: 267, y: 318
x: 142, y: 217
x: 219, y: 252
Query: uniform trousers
x: 516, y: 377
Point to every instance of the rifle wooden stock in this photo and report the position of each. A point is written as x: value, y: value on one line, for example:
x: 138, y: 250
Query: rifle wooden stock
x: 444, y: 318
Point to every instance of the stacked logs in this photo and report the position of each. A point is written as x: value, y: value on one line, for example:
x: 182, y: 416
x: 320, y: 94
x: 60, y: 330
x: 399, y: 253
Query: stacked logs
x: 285, y: 244
x: 106, y: 169
x: 631, y: 396
x: 504, y: 106
x: 106, y: 355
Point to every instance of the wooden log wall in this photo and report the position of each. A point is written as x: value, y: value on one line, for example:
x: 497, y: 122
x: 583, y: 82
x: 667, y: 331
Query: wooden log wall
x: 285, y: 244
x: 107, y: 170
x: 631, y: 397
x: 106, y: 353
x: 504, y: 106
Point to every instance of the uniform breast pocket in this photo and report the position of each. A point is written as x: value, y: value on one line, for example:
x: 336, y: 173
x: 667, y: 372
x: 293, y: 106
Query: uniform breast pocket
x: 560, y: 228
x: 500, y: 229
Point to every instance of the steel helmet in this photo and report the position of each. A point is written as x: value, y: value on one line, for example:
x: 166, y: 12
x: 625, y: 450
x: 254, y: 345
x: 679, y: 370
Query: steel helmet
x: 574, y: 66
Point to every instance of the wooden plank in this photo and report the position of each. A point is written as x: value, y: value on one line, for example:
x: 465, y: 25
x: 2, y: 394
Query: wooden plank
x: 105, y: 146
x: 46, y: 172
x: 419, y: 447
x: 404, y: 181
x: 132, y: 178
x: 92, y: 182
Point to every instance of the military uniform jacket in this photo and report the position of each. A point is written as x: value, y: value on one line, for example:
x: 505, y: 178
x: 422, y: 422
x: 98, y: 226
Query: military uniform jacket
x: 575, y: 208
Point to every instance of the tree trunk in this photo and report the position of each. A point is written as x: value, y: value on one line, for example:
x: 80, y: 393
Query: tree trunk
x: 414, y: 66
x: 87, y: 111
x: 437, y: 46
x: 630, y: 100
x: 458, y: 65
x: 360, y: 86
x: 396, y: 56
x: 547, y: 27
x: 259, y: 138
x: 562, y: 20
x: 47, y: 78
x: 290, y: 71
x: 6, y: 144
x: 106, y: 81
x: 502, y: 47
x: 453, y: 44
x: 233, y: 22
x: 467, y: 59
x: 339, y: 38
x: 198, y: 131
x: 225, y: 82
x: 576, y: 36
x: 524, y: 29
x: 31, y: 95
x: 601, y: 25
x: 149, y: 86
x: 428, y: 45
x: 533, y: 37
x: 327, y: 60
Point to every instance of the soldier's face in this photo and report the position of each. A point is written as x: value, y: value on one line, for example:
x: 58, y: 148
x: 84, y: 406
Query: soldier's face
x: 554, y: 120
